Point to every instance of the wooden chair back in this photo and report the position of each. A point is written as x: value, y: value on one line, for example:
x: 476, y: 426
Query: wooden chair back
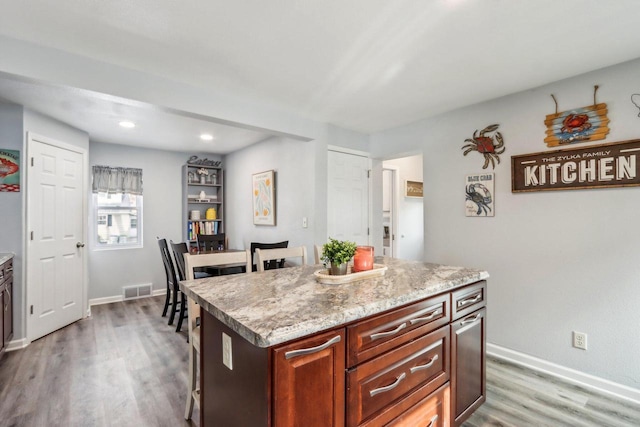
x: 169, y: 270
x: 264, y: 255
x: 211, y: 242
x: 317, y: 252
x: 179, y: 249
x: 274, y: 263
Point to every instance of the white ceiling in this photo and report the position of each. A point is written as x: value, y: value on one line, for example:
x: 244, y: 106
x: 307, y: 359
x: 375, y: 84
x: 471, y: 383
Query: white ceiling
x: 364, y: 65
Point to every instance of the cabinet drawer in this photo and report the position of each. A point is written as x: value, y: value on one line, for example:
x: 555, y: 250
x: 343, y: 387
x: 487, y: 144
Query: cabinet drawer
x: 379, y: 334
x: 432, y: 411
x: 421, y: 365
x: 468, y: 299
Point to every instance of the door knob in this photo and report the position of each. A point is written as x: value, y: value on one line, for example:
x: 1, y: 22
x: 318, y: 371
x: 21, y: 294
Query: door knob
x: 79, y: 245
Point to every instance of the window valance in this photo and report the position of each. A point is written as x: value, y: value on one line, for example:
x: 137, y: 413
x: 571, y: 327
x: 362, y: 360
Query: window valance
x: 117, y: 180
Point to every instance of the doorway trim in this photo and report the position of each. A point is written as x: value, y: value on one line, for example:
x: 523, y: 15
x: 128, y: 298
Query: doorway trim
x: 32, y: 138
x: 395, y: 184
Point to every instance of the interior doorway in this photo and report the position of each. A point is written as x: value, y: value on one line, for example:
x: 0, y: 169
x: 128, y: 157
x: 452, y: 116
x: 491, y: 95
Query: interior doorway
x: 56, y: 207
x: 389, y: 210
x: 348, y: 196
x: 405, y: 214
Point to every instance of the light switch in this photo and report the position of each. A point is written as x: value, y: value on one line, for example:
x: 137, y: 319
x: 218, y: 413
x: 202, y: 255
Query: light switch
x: 304, y: 222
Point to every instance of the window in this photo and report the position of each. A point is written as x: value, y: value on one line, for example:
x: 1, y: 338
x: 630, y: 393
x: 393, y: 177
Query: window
x: 117, y: 207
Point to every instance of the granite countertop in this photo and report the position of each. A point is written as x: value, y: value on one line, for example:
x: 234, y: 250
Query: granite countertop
x: 277, y: 306
x: 4, y: 257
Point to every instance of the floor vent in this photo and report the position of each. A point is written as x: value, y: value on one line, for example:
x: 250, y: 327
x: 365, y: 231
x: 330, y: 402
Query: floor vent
x: 136, y: 291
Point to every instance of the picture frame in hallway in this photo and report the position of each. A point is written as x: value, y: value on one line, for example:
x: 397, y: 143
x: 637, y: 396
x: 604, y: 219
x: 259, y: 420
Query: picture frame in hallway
x: 264, y: 201
x: 413, y: 189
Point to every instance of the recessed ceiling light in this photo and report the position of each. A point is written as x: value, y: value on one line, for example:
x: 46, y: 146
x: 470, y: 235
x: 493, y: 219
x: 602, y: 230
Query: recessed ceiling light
x: 206, y: 137
x: 127, y: 124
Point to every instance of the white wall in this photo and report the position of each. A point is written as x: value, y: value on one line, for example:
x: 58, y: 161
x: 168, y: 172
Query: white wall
x: 295, y: 165
x: 110, y: 270
x: 559, y: 261
x: 410, y: 235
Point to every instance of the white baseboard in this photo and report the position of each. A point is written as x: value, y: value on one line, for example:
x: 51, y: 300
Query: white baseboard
x: 118, y: 298
x: 564, y: 373
x: 17, y: 344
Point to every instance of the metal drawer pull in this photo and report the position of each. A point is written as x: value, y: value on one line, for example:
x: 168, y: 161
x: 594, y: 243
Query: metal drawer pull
x: 388, y: 387
x: 303, y: 351
x: 433, y: 421
x: 469, y: 320
x: 426, y: 365
x: 470, y: 300
x: 388, y: 333
x: 425, y: 318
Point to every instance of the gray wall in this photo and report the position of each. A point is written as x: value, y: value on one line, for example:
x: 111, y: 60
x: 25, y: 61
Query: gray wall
x: 294, y: 164
x: 11, y: 218
x: 110, y: 270
x: 559, y: 261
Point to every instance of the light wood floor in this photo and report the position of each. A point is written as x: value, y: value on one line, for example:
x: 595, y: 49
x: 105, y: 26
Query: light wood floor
x: 125, y: 366
x: 521, y: 397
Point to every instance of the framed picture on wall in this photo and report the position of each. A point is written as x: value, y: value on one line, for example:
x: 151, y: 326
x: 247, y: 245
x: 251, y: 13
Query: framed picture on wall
x: 264, y: 201
x: 479, y: 195
x: 413, y: 189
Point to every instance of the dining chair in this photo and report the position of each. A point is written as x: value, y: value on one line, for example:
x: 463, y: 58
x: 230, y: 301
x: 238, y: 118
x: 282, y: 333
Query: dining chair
x: 317, y: 252
x: 179, y: 249
x: 173, y: 290
x: 211, y: 242
x: 273, y: 263
x: 265, y: 255
x: 193, y: 312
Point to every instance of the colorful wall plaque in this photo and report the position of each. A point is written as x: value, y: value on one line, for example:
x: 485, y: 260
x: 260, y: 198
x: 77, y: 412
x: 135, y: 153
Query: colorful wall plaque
x: 9, y: 170
x: 597, y: 166
x: 479, y: 195
x: 577, y: 125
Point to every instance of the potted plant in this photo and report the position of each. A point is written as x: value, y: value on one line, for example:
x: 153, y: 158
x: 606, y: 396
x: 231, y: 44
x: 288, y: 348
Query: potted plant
x: 338, y: 253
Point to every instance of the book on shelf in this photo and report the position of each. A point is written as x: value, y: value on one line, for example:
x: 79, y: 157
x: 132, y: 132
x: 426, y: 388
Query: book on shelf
x: 201, y: 227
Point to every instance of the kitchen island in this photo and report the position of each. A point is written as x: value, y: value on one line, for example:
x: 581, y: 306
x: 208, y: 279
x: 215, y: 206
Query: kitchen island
x: 400, y: 349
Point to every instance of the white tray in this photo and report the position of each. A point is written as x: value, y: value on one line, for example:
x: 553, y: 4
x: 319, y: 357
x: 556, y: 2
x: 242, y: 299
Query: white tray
x: 323, y: 276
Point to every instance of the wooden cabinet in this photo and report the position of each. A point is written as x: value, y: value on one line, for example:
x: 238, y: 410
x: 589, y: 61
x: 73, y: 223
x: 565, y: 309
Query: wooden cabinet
x: 432, y: 411
x: 6, y: 303
x: 468, y: 345
x: 418, y: 365
x: 309, y: 382
x: 397, y: 359
x: 203, y: 191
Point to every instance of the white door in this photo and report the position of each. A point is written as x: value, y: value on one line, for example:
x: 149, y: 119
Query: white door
x: 348, y: 198
x: 55, y: 228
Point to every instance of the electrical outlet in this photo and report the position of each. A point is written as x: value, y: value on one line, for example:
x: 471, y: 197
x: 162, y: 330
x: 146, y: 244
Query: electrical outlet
x: 227, y: 356
x: 580, y: 340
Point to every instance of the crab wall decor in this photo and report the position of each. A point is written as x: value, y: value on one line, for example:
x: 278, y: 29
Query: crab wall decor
x: 577, y: 125
x: 479, y: 199
x: 484, y: 144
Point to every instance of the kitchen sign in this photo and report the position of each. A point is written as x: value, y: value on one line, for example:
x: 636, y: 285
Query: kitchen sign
x: 597, y: 166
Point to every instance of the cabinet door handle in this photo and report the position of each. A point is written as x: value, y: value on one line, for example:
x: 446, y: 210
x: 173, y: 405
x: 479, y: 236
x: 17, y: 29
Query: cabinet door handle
x: 471, y: 300
x: 433, y: 421
x: 470, y: 320
x: 425, y: 318
x: 388, y: 333
x: 303, y: 351
x: 388, y: 387
x: 426, y: 365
